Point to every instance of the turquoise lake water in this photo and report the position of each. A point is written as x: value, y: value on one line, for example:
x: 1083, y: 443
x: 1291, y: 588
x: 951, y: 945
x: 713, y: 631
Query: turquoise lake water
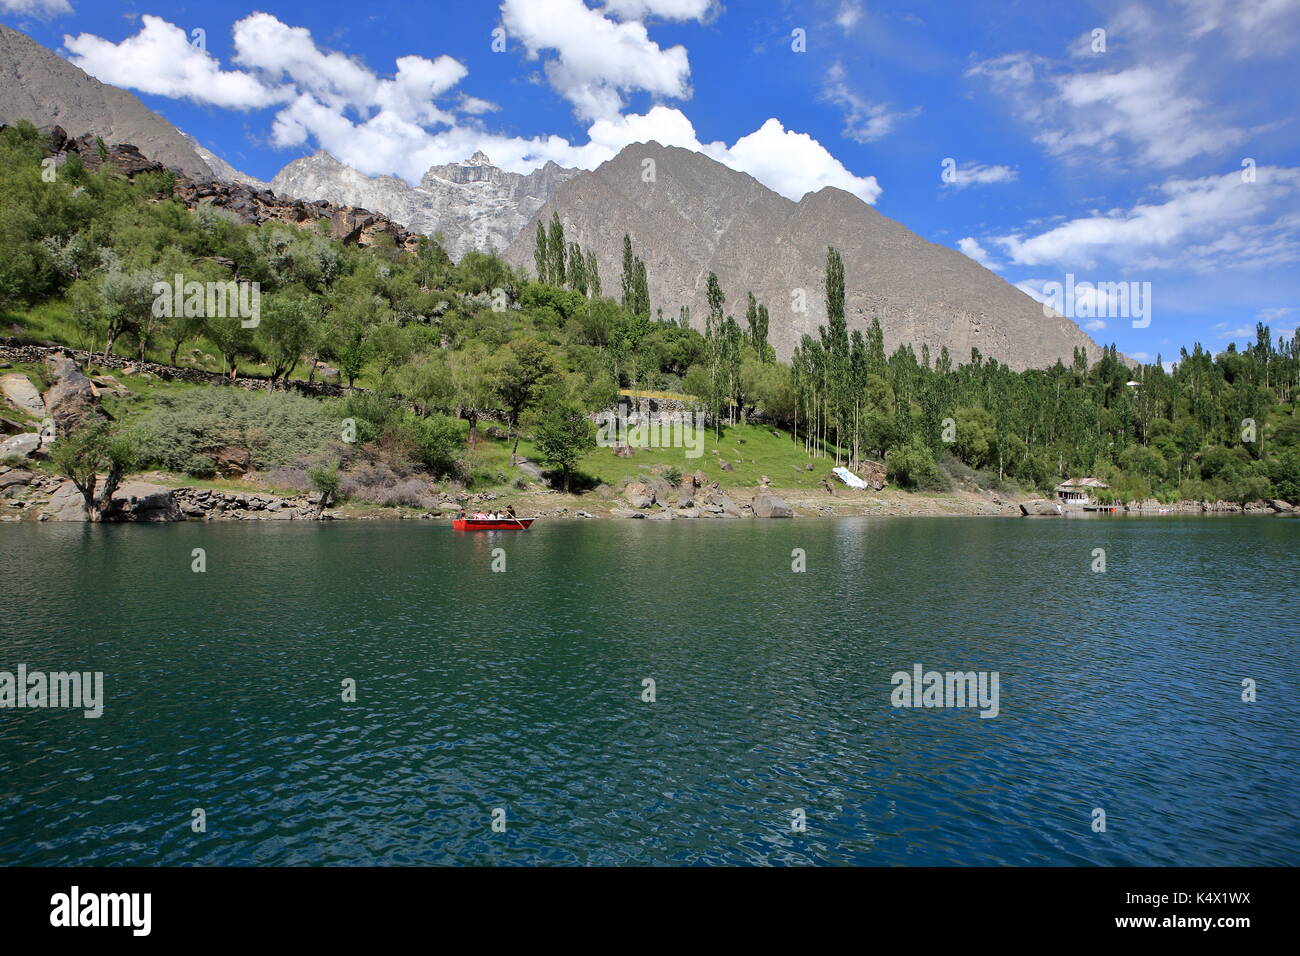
x: 522, y: 690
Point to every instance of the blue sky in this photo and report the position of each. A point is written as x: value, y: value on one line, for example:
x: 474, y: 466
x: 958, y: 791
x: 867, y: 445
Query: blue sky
x: 1115, y: 158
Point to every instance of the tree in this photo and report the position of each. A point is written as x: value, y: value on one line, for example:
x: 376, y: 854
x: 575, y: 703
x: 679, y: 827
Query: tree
x: 327, y: 482
x: 284, y: 332
x: 523, y: 375
x: 92, y: 449
x: 541, y: 254
x: 555, y: 252
x: 563, y: 433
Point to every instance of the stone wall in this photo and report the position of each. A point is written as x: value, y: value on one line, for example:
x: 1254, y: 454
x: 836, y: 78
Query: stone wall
x: 13, y: 350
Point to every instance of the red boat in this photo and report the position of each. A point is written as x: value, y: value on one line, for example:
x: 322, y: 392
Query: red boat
x: 492, y: 524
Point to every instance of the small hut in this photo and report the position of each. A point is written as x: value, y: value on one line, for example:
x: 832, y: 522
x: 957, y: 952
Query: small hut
x: 1079, y: 491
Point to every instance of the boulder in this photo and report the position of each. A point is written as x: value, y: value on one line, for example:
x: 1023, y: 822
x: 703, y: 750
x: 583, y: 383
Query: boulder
x: 15, y: 478
x: 22, y: 395
x: 1039, y: 506
x: 1281, y: 507
x: 22, y: 446
x: 231, y: 461
x: 71, y: 400
x: 625, y: 513
x: 142, y: 501
x: 66, y: 504
x: 767, y: 505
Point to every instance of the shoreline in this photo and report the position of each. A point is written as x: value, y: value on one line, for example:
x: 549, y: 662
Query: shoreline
x: 155, y: 497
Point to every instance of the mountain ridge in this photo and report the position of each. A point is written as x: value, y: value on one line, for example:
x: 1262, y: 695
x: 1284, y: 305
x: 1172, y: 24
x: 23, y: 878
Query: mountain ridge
x: 473, y: 204
x: 698, y: 216
x: 47, y: 90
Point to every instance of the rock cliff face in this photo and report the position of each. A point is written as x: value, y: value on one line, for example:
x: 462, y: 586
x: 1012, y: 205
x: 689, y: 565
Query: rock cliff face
x: 474, y: 205
x: 250, y: 204
x: 699, y: 216
x: 38, y: 85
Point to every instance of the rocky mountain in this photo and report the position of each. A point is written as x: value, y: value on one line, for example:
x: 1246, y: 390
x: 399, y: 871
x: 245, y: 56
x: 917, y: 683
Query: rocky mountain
x: 699, y: 216
x: 473, y: 204
x: 37, y: 84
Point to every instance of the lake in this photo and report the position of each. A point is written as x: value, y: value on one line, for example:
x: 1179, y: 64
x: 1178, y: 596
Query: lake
x: 522, y: 691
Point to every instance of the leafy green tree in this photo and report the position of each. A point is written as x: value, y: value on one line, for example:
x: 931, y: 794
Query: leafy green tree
x: 84, y: 454
x: 284, y: 332
x: 521, y: 379
x: 563, y: 433
x: 327, y: 482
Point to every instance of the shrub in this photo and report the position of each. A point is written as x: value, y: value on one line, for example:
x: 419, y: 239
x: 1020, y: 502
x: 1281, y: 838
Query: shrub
x: 912, y: 466
x: 277, y: 428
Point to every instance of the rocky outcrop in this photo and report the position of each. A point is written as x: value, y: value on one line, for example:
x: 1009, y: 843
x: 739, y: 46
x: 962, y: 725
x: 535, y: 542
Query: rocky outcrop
x: 23, y: 445
x: 768, y: 505
x: 142, y: 501
x: 473, y: 204
x: 351, y: 225
x: 1039, y: 507
x: 71, y: 399
x: 22, y: 394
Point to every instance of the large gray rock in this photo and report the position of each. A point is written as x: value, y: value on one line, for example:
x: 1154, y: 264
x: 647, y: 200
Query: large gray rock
x: 66, y: 504
x: 22, y: 395
x: 1039, y: 506
x: 143, y: 501
x: 625, y: 513
x: 768, y: 505
x: 71, y: 400
x: 1281, y: 507
x: 15, y: 478
x: 24, y: 445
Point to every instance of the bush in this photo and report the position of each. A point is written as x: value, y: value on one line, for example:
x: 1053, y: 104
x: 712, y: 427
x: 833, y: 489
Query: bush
x: 277, y: 428
x: 912, y: 466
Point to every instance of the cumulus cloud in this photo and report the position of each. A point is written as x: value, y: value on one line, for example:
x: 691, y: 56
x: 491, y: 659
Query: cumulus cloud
x: 1210, y: 222
x: 971, y: 247
x: 864, y: 121
x: 667, y: 9
x: 403, y: 124
x: 978, y: 174
x: 597, y: 59
x: 45, y: 9
x: 160, y: 60
x: 1093, y: 114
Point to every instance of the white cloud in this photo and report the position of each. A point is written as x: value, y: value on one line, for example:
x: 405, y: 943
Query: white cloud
x: 1089, y: 115
x: 970, y: 246
x: 1208, y: 223
x: 864, y: 122
x: 1278, y: 312
x: 160, y: 60
x: 1088, y: 300
x: 790, y: 163
x: 597, y: 59
x: 394, y: 126
x: 1252, y: 27
x: 45, y: 9
x: 668, y: 9
x: 978, y: 174
x: 848, y: 15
